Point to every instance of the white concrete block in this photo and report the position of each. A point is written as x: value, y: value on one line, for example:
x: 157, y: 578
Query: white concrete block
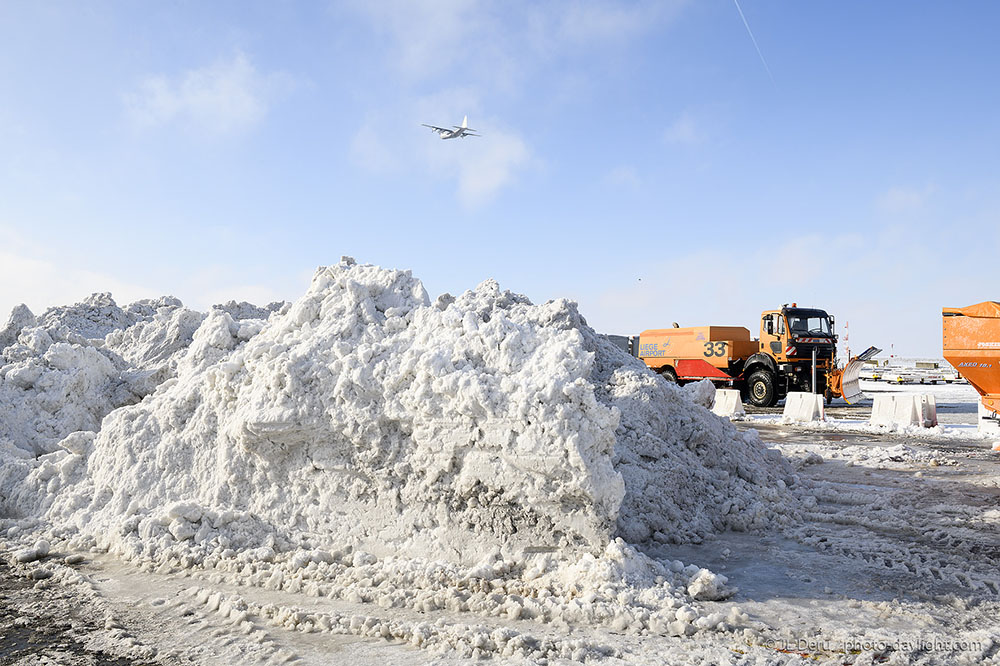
x: 890, y: 409
x: 804, y: 407
x: 728, y: 403
x: 904, y: 410
x: 928, y: 410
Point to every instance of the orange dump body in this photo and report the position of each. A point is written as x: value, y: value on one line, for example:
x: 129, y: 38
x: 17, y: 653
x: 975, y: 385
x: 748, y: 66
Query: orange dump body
x: 972, y: 345
x: 695, y: 351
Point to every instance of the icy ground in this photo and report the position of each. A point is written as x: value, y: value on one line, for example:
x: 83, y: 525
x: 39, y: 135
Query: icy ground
x: 891, y: 566
x: 183, y: 488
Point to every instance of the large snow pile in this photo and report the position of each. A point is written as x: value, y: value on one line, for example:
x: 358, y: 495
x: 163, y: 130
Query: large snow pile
x: 65, y: 370
x: 365, y: 419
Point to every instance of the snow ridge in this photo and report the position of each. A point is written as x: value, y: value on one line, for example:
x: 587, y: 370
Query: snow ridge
x: 366, y: 419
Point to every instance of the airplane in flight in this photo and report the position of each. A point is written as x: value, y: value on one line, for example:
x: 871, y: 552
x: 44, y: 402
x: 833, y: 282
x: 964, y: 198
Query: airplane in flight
x: 460, y: 131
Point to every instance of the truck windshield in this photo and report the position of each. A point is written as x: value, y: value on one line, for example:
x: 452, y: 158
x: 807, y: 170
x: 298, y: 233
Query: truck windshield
x: 811, y: 323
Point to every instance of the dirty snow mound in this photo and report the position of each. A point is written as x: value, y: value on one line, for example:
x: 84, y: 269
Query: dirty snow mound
x: 67, y: 369
x: 384, y: 437
x: 243, y: 310
x: 701, y: 393
x: 92, y: 319
x: 367, y: 414
x: 687, y: 472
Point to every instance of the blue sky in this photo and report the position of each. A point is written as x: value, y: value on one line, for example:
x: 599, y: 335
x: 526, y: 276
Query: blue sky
x: 636, y: 157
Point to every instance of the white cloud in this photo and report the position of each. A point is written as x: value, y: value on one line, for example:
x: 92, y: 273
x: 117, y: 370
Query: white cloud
x: 41, y: 283
x: 623, y: 176
x: 481, y: 167
x: 497, y: 45
x: 890, y: 284
x: 202, y: 286
x: 228, y: 96
x: 372, y: 151
x: 683, y: 130
x: 427, y: 35
x: 584, y: 22
x: 32, y: 274
x: 487, y: 168
x: 904, y: 199
x: 502, y: 41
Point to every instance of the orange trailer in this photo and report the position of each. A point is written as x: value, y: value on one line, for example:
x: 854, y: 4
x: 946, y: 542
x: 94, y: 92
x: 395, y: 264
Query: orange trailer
x: 696, y: 352
x: 971, y: 341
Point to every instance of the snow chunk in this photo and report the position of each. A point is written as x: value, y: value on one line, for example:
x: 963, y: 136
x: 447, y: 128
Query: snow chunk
x: 20, y: 318
x: 701, y: 393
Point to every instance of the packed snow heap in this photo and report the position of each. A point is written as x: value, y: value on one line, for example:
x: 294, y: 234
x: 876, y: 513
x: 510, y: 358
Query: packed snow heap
x: 363, y: 414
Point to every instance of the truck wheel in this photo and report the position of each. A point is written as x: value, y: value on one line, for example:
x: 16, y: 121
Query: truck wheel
x: 760, y: 387
x: 669, y: 375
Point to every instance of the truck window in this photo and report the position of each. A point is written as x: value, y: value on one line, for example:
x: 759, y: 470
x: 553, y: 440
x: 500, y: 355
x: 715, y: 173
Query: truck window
x: 781, y: 325
x: 810, y: 325
x: 769, y: 325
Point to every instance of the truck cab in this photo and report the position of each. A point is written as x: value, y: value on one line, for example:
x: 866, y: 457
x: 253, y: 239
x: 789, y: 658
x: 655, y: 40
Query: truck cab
x: 783, y: 361
x: 790, y: 332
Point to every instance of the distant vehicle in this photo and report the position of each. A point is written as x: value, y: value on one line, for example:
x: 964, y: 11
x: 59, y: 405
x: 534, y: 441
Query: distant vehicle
x: 871, y: 373
x: 896, y: 375
x: 952, y: 377
x: 931, y: 377
x: 459, y: 131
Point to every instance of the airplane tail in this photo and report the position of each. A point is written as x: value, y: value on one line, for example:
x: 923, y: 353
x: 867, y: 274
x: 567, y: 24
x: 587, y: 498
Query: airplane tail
x: 465, y: 122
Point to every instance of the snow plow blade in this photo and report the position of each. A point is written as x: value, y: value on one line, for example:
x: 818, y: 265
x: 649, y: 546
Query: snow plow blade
x: 845, y: 381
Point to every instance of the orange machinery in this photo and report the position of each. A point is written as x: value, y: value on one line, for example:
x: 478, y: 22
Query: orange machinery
x: 765, y: 369
x: 696, y: 352
x: 971, y: 341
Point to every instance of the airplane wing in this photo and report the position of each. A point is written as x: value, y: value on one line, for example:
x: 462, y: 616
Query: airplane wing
x: 433, y: 128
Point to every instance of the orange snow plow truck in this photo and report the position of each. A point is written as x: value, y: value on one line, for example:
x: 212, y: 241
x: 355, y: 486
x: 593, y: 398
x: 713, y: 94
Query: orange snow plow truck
x: 765, y: 369
x: 971, y: 341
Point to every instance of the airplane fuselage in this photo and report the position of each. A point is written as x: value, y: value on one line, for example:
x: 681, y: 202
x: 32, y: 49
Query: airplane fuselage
x: 459, y: 131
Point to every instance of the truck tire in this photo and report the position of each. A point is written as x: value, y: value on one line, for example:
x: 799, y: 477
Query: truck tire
x: 669, y: 374
x: 760, y: 389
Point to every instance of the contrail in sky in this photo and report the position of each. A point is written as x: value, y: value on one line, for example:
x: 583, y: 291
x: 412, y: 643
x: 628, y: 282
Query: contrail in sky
x: 754, y: 40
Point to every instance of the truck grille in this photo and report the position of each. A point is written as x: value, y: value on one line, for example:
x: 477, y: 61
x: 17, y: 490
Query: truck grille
x: 804, y: 350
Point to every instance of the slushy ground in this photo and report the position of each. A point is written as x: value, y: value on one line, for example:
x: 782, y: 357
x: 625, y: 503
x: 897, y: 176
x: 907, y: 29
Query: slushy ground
x: 894, y: 561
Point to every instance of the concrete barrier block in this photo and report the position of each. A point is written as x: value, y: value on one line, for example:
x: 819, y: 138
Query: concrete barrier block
x: 988, y: 421
x: 728, y: 403
x: 893, y: 409
x: 804, y: 407
x: 882, y: 408
x: 928, y: 410
x: 904, y: 410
